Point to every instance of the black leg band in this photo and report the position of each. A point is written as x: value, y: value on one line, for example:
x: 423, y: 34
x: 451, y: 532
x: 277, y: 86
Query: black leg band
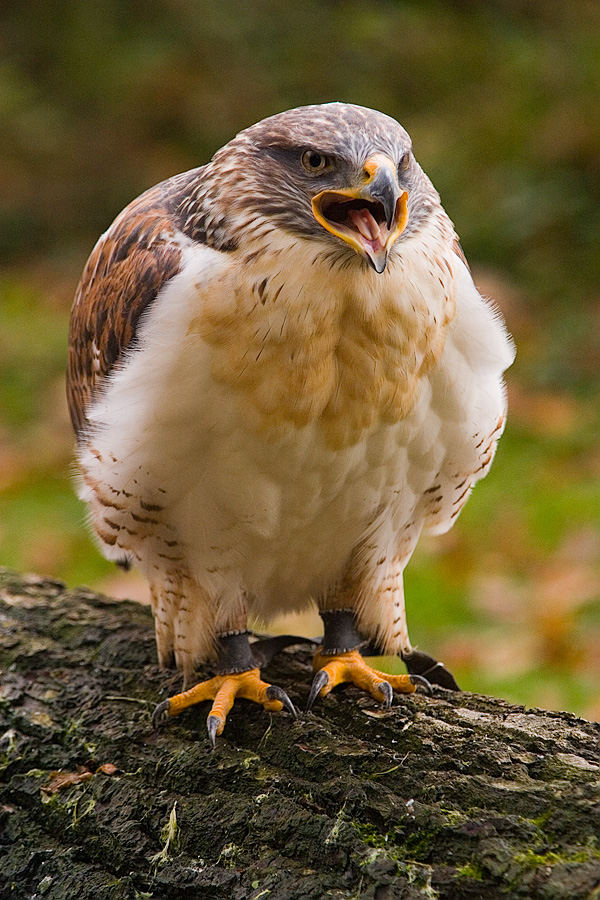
x: 340, y: 632
x: 234, y: 653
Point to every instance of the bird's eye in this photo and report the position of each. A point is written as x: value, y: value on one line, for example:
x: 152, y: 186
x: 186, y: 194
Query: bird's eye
x: 404, y: 162
x: 315, y: 162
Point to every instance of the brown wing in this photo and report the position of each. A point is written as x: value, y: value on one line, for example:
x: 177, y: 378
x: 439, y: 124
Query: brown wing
x: 123, y: 275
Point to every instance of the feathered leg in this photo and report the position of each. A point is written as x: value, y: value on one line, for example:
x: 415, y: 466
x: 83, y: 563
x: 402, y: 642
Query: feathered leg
x: 369, y: 601
x: 372, y: 589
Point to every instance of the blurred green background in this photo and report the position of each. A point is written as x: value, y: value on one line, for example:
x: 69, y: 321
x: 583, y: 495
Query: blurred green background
x: 99, y: 100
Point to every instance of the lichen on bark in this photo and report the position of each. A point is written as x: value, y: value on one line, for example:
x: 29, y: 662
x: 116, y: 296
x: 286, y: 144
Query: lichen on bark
x: 450, y: 796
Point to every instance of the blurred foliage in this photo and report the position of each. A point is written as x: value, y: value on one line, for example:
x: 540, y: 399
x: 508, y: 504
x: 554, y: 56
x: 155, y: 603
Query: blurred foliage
x: 99, y: 100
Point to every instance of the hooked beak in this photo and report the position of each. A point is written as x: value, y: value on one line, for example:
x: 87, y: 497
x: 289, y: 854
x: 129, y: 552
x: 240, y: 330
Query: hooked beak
x: 369, y: 218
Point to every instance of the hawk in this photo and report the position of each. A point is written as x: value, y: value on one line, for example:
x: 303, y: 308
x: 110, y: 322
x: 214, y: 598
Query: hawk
x: 280, y: 374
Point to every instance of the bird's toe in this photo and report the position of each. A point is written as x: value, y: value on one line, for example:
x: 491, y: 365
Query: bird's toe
x: 320, y: 681
x: 274, y: 692
x: 420, y: 681
x: 223, y: 691
x: 387, y: 691
x: 160, y: 714
x: 349, y: 667
x: 212, y: 727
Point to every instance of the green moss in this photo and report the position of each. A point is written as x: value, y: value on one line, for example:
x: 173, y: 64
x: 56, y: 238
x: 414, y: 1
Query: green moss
x: 541, y: 821
x: 453, y: 816
x: 418, y: 846
x: 414, y: 847
x: 369, y: 835
x: 470, y: 870
x: 529, y: 859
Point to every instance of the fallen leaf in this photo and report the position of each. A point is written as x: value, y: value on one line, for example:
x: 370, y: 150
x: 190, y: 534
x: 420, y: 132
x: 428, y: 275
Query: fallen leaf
x: 60, y: 780
x: 107, y: 769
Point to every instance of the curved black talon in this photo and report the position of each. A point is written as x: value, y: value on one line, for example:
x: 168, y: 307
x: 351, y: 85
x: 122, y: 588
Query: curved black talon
x: 419, y: 681
x: 160, y: 714
x: 276, y: 693
x: 419, y: 663
x: 319, y: 682
x: 387, y: 691
x: 212, y: 723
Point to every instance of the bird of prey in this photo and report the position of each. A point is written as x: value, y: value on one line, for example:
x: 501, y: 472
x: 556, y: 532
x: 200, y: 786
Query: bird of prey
x: 280, y: 374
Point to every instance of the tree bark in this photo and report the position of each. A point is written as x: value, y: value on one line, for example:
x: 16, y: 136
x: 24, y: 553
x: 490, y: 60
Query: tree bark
x: 450, y: 796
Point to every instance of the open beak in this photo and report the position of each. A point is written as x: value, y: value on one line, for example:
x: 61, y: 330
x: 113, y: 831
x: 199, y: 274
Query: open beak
x: 369, y: 218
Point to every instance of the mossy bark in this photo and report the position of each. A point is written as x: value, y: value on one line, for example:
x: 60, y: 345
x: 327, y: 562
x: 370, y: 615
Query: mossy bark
x: 456, y: 795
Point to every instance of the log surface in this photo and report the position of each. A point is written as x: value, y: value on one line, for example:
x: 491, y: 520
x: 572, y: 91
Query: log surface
x: 450, y: 796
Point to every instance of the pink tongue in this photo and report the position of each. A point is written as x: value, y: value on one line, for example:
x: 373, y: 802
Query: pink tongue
x: 365, y: 223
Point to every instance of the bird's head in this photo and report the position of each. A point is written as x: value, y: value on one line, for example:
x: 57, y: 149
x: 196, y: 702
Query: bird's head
x: 368, y: 214
x: 335, y: 173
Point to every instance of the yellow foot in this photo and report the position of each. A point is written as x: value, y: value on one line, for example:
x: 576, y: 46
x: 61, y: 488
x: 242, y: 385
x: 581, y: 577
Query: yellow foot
x: 223, y: 690
x: 351, y: 667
